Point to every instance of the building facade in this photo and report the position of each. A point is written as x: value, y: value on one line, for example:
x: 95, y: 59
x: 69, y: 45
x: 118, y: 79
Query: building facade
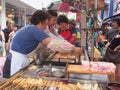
x: 16, y: 11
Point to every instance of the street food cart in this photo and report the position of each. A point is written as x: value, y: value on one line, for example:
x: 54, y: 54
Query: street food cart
x: 52, y: 72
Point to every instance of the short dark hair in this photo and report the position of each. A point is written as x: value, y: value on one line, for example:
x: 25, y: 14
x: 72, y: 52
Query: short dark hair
x: 62, y: 19
x: 106, y: 24
x: 52, y: 13
x: 117, y: 19
x: 39, y: 16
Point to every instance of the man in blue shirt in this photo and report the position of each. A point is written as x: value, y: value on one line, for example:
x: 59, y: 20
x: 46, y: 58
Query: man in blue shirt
x: 109, y: 31
x: 24, y: 42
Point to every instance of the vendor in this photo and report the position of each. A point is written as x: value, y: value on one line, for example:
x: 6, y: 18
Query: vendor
x: 51, y: 29
x: 27, y: 39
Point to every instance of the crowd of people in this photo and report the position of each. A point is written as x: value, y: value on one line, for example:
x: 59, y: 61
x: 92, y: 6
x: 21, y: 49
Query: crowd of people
x: 54, y: 31
x: 109, y: 32
x: 28, y: 37
x: 110, y: 45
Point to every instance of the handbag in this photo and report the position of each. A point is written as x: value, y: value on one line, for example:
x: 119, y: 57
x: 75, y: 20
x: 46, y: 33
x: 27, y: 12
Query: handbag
x: 112, y: 56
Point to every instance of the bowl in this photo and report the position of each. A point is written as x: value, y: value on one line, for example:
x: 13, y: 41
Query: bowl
x: 58, y: 73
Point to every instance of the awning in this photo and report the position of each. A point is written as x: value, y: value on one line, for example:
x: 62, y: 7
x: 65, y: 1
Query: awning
x: 117, y: 15
x: 60, y: 6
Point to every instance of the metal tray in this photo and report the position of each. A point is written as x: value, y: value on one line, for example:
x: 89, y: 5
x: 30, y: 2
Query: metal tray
x: 60, y: 61
x: 84, y: 84
x: 47, y: 71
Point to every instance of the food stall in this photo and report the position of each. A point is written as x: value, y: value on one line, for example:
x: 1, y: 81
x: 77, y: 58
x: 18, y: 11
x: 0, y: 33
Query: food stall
x: 51, y: 72
x: 48, y: 77
x: 54, y: 74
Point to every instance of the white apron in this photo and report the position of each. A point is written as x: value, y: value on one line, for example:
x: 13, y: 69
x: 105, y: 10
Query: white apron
x: 19, y: 61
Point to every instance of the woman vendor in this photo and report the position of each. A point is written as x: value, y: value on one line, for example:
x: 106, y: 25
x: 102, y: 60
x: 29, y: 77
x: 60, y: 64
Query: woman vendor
x: 27, y: 39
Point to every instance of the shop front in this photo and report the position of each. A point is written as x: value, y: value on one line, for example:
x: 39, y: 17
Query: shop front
x: 15, y: 11
x: 15, y: 14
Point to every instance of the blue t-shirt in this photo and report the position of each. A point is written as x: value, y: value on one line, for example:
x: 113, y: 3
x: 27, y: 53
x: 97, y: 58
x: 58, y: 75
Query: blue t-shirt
x: 109, y: 34
x: 27, y: 39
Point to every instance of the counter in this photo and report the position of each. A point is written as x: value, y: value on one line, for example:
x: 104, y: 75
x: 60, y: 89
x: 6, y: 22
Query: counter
x: 52, y: 73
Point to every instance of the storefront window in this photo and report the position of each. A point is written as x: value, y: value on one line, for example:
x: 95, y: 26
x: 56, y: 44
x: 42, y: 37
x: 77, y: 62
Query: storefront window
x: 22, y: 17
x: 15, y: 14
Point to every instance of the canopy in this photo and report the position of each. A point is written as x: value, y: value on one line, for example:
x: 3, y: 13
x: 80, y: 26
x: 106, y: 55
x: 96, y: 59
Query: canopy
x: 60, y: 6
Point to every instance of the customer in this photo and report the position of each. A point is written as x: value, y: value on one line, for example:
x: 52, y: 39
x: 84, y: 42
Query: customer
x: 109, y: 30
x: 27, y: 39
x: 51, y: 29
x: 11, y: 36
x: 115, y: 35
x: 52, y: 20
x: 66, y: 31
x: 114, y: 44
x: 7, y: 30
